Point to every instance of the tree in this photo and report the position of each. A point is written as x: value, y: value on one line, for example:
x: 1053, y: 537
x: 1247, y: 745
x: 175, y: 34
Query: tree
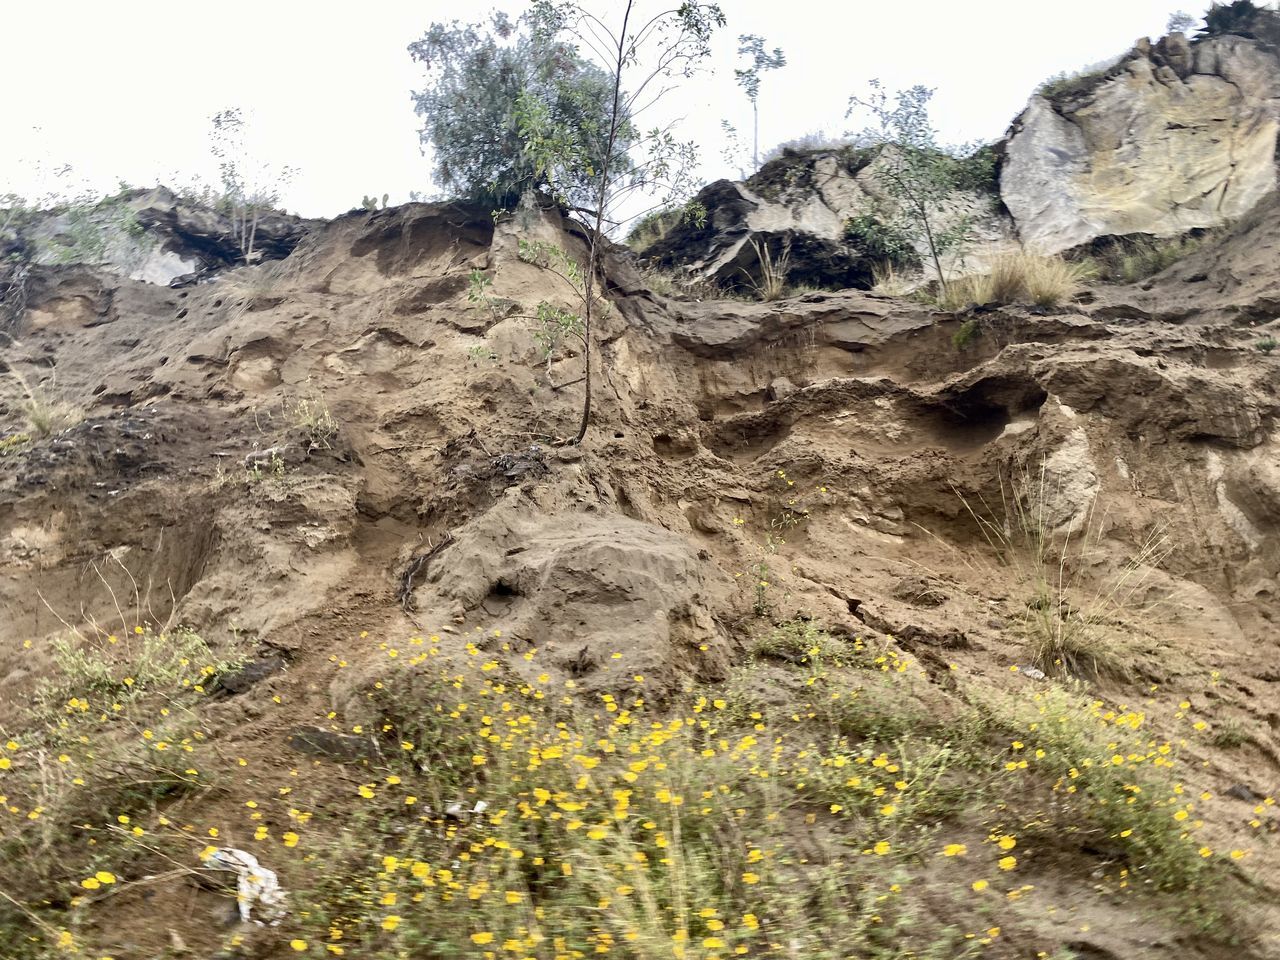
x: 752, y: 45
x: 651, y: 51
x: 476, y: 76
x: 250, y: 187
x: 1179, y: 22
x: 921, y: 178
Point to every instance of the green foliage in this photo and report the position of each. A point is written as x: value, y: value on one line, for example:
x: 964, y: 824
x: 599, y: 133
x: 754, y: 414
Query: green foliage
x: 969, y: 332
x: 881, y: 239
x: 917, y: 174
x: 371, y: 203
x: 1064, y: 86
x: 488, y: 84
x: 653, y: 226
x: 799, y: 641
x: 562, y: 151
x: 1132, y: 259
x: 1266, y: 344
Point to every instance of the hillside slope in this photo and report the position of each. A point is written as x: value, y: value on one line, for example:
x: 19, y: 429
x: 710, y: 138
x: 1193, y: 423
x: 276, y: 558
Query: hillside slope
x: 333, y: 480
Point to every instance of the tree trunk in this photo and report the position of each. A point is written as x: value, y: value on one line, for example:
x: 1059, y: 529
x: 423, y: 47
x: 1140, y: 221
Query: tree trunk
x: 593, y: 254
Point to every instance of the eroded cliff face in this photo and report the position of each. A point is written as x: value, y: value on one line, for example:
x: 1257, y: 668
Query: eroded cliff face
x: 202, y: 487
x: 1174, y: 137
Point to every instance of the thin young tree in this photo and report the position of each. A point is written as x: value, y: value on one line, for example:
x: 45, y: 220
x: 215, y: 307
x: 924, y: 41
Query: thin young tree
x: 748, y: 78
x: 920, y: 176
x: 249, y: 186
x: 644, y: 56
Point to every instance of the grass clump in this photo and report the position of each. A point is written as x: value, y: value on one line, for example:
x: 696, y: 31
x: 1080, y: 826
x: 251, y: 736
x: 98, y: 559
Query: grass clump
x: 1133, y: 259
x: 1073, y: 624
x: 1266, y: 345
x: 887, y: 282
x: 310, y: 414
x: 772, y: 282
x: 14, y: 443
x: 1017, y: 278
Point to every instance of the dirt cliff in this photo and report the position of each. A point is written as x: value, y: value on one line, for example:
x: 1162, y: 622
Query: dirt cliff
x: 314, y: 464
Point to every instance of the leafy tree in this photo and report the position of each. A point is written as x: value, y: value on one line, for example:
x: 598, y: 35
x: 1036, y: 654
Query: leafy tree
x: 642, y: 55
x: 916, y: 173
x: 477, y: 75
x: 1179, y: 22
x: 752, y: 45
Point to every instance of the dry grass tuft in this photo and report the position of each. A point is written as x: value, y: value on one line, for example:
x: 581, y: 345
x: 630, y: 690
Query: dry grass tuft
x: 887, y: 282
x: 1017, y: 278
x: 772, y: 284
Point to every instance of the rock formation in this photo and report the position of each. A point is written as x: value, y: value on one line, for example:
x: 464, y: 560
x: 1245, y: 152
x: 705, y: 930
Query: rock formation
x: 1175, y: 136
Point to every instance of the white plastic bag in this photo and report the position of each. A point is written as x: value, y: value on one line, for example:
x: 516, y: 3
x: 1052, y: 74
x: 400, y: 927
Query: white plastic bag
x: 256, y: 886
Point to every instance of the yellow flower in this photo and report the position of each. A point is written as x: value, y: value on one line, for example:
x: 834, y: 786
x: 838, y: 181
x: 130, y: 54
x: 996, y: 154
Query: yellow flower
x: 750, y: 878
x: 390, y: 923
x: 881, y: 848
x: 290, y: 839
x: 1007, y: 842
x: 980, y: 885
x: 1007, y: 863
x: 954, y: 850
x: 480, y: 939
x: 104, y: 877
x: 298, y: 945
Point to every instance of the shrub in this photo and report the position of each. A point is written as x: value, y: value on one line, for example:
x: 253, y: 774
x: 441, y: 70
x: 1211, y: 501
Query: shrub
x: 1266, y: 345
x: 880, y: 240
x: 1063, y: 86
x: 798, y: 641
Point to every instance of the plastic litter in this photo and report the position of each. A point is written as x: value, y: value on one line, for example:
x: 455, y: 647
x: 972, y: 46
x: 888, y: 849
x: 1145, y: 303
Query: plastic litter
x: 256, y: 886
x: 456, y: 811
x: 1031, y: 673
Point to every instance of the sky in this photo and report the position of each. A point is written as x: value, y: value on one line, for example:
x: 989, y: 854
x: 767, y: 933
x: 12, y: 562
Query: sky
x: 126, y: 90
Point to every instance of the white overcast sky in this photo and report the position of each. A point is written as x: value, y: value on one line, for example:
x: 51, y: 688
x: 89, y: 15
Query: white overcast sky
x: 124, y: 90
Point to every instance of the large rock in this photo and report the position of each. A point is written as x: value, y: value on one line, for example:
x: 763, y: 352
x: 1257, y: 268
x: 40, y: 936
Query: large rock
x: 1175, y: 136
x: 801, y: 202
x: 155, y: 236
x: 604, y: 598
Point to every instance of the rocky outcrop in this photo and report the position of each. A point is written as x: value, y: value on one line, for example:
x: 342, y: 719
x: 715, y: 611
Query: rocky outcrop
x: 1177, y: 135
x: 799, y: 206
x: 154, y: 236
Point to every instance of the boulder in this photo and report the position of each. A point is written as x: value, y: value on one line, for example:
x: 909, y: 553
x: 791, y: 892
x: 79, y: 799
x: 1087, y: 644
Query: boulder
x: 1175, y: 136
